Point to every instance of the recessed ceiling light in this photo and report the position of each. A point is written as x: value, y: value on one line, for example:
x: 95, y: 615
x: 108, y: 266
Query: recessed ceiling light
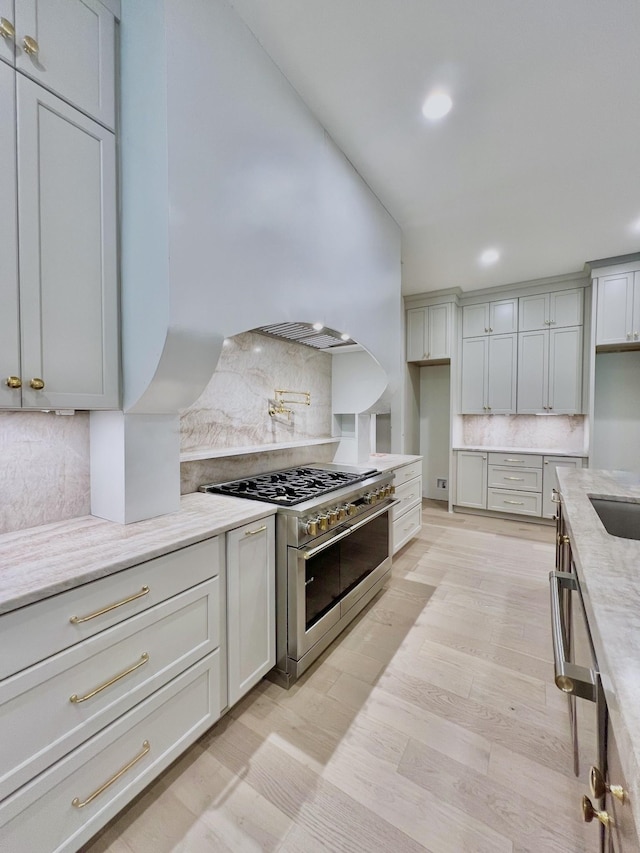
x: 489, y: 256
x: 318, y: 327
x: 345, y: 336
x: 437, y: 105
x: 635, y: 226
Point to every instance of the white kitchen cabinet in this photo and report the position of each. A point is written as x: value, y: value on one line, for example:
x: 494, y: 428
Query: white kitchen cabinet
x: 551, y: 310
x: 67, y: 46
x: 550, y: 480
x: 550, y: 371
x: 490, y: 318
x: 67, y: 260
x: 251, y: 605
x: 618, y: 309
x: 406, y: 515
x: 489, y: 373
x: 471, y: 479
x: 429, y: 332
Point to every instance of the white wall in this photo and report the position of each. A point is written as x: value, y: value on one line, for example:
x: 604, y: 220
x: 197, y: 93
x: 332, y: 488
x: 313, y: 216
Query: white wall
x: 434, y: 429
x: 616, y: 421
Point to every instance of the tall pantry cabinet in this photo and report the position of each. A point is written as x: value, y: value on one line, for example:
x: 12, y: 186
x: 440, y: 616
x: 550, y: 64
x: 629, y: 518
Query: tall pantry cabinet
x: 59, y: 326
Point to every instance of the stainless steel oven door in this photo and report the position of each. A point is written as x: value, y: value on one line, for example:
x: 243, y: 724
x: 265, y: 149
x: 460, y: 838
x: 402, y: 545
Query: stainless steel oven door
x: 329, y: 575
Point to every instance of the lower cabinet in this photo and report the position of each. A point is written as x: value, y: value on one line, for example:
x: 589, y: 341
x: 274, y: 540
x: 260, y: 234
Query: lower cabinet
x: 406, y: 515
x: 471, y: 479
x: 621, y: 835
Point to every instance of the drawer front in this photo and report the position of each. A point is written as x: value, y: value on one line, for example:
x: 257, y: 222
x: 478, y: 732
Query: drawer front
x: 406, y: 527
x: 519, y: 460
x: 41, y: 817
x: 407, y: 472
x: 503, y: 476
x: 407, y: 495
x: 39, y: 630
x: 121, y: 667
x: 522, y: 503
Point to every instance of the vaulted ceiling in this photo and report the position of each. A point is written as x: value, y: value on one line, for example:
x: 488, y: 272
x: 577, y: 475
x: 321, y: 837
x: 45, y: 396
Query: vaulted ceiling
x: 539, y: 157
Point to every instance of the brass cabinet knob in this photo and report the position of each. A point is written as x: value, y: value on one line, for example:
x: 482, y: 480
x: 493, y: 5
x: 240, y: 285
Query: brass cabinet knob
x: 7, y: 30
x: 37, y: 384
x: 30, y: 46
x: 589, y: 812
x: 14, y: 382
x: 599, y: 787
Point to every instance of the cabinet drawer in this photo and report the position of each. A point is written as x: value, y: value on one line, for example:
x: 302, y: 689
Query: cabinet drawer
x: 407, y: 472
x: 121, y: 667
x: 39, y: 630
x: 40, y: 817
x: 407, y: 494
x: 519, y: 460
x: 406, y: 527
x: 504, y: 476
x: 522, y: 503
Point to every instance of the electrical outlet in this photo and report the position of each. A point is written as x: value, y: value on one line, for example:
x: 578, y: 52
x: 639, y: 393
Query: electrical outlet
x: 441, y: 483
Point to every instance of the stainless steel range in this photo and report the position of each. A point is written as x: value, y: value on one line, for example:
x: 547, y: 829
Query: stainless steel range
x: 333, y: 551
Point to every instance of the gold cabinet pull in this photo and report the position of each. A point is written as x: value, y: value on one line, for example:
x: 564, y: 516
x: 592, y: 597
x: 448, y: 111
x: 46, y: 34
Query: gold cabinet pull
x: 30, y: 45
x: 13, y: 382
x: 515, y: 503
x: 37, y: 384
x: 519, y: 479
x: 7, y: 30
x: 80, y: 804
x: 144, y: 658
x: 589, y: 812
x: 257, y: 530
x: 599, y: 787
x: 77, y: 620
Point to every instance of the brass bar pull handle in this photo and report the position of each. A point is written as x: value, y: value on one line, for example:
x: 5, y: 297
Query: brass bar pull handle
x: 254, y: 532
x: 520, y: 461
x: 77, y: 620
x: 569, y: 677
x: 519, y: 479
x: 80, y: 804
x: 515, y: 503
x: 78, y: 699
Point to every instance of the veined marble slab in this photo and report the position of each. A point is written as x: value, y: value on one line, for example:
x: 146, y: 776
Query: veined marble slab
x: 544, y: 451
x: 609, y: 571
x: 43, y: 561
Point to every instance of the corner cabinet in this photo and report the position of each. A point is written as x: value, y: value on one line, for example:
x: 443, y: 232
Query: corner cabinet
x: 59, y: 329
x: 251, y: 605
x: 618, y: 309
x: 429, y: 333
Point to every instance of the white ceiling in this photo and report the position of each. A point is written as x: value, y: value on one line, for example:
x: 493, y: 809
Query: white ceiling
x: 540, y: 156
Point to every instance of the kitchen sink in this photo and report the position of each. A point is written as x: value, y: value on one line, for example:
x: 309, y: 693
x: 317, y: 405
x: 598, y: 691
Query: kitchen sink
x: 620, y: 518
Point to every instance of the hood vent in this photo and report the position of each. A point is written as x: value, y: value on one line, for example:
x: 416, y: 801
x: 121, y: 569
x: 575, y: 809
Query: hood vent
x: 304, y: 333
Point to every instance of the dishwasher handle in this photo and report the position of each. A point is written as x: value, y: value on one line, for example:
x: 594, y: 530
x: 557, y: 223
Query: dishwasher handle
x: 570, y: 678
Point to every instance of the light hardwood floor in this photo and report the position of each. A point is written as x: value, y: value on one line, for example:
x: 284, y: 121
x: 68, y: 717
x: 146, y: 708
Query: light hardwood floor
x: 431, y: 724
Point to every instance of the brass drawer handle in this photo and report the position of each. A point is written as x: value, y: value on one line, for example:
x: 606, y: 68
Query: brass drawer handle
x: 79, y: 804
x: 78, y: 699
x: 253, y: 532
x: 519, y: 479
x: 76, y: 620
x: 515, y: 460
x: 515, y: 503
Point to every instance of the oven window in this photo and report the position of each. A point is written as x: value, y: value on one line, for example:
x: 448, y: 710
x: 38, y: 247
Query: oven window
x: 363, y: 551
x: 322, y: 583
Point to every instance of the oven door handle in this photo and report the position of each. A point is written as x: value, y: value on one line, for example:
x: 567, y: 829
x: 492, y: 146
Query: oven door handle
x: 307, y: 555
x: 570, y: 678
x: 358, y: 524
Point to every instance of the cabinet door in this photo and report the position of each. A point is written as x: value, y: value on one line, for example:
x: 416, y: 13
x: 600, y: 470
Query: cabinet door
x: 76, y: 52
x: 475, y: 360
x: 503, y: 317
x: 502, y: 374
x: 621, y: 835
x: 533, y: 372
x: 67, y: 240
x: 7, y: 43
x: 475, y: 320
x: 416, y: 334
x: 635, y: 330
x: 614, y: 309
x: 251, y: 605
x: 471, y: 480
x: 565, y: 371
x: 550, y: 480
x: 565, y: 308
x: 439, y: 338
x: 9, y: 317
x: 533, y: 312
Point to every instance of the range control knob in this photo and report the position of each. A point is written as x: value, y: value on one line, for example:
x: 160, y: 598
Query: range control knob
x: 342, y: 513
x: 352, y: 509
x: 393, y: 490
x: 333, y: 516
x: 323, y: 522
x: 311, y: 527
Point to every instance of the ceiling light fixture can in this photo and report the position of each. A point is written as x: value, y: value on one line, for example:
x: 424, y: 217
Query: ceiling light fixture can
x: 489, y: 256
x: 437, y: 105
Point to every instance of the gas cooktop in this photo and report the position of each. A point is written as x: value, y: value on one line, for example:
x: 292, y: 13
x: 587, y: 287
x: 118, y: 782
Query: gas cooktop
x: 290, y: 486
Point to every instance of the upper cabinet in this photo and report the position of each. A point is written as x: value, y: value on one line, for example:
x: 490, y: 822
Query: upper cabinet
x: 618, y: 309
x: 489, y: 374
x: 490, y: 318
x: 68, y: 47
x: 551, y: 310
x: 550, y: 371
x: 429, y: 332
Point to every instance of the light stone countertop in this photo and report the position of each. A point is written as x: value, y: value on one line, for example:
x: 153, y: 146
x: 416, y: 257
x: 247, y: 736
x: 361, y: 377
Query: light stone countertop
x: 389, y: 461
x: 608, y: 568
x: 42, y: 561
x: 542, y: 451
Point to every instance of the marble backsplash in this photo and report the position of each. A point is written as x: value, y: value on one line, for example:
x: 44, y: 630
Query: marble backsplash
x: 44, y: 468
x: 564, y: 432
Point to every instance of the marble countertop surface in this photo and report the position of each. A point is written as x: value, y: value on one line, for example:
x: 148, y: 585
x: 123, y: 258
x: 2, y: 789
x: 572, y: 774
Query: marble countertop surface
x: 544, y: 451
x: 608, y: 568
x: 389, y: 461
x: 42, y: 561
